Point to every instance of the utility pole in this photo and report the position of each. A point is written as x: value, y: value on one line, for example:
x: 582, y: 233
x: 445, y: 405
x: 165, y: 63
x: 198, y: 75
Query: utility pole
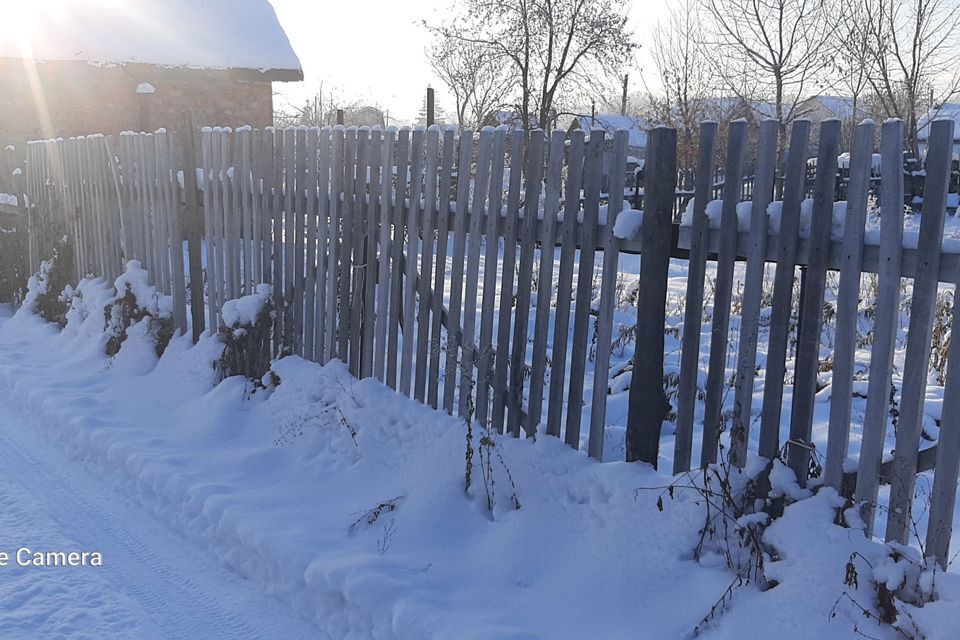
x: 593, y: 113
x: 623, y: 100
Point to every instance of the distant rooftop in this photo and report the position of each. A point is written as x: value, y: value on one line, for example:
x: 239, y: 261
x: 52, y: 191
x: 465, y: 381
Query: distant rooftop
x: 612, y: 122
x: 204, y: 34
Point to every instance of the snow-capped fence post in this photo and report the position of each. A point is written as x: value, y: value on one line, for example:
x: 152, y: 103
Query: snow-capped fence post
x: 720, y: 326
x: 922, y: 307
x: 886, y: 321
x: 648, y: 402
x: 428, y: 222
x: 687, y: 391
x: 188, y: 150
x: 753, y: 291
x: 457, y: 256
x: 781, y: 305
x: 848, y: 298
x: 807, y: 366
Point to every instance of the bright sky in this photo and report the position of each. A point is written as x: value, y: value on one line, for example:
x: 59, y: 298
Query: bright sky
x: 374, y: 49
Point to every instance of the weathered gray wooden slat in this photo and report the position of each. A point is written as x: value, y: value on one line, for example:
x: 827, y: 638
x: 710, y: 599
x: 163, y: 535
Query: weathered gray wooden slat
x: 412, y: 260
x: 155, y: 235
x: 501, y: 396
x: 178, y: 282
x: 783, y: 290
x: 331, y: 346
x: 321, y: 329
x: 146, y: 225
x: 397, y: 216
x: 456, y: 277
x: 568, y: 241
x: 299, y: 241
x: 374, y: 218
x: 383, y: 264
x: 215, y: 179
x: 480, y: 187
x: 428, y: 225
x: 276, y: 215
x: 608, y: 293
x: 346, y: 243
x: 848, y: 298
x: 720, y: 325
x: 492, y: 239
x: 256, y: 204
x: 810, y: 321
x: 584, y: 293
x: 443, y: 235
x: 541, y: 331
x: 753, y: 292
x: 944, y: 493
x: 232, y: 213
x: 242, y: 174
x: 693, y: 306
x: 289, y: 235
x: 310, y: 228
x: 359, y: 234
x: 922, y: 308
x: 212, y: 272
x: 533, y: 181
x: 648, y: 403
x: 608, y: 297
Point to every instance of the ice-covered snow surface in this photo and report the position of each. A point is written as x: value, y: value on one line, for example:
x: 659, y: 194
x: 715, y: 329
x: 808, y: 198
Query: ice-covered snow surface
x: 220, y: 34
x: 345, y: 502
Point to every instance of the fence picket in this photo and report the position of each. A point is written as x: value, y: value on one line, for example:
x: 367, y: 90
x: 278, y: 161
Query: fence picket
x: 480, y: 186
x: 383, y: 263
x: 810, y: 324
x: 693, y: 306
x: 848, y: 298
x: 411, y: 262
x: 753, y: 292
x: 456, y: 277
x: 439, y: 282
x: 608, y: 296
x: 490, y: 261
x: 584, y: 292
x: 922, y: 307
x: 568, y: 250
x: 428, y: 223
x: 783, y: 290
x: 374, y: 218
x: 548, y: 230
x: 397, y: 215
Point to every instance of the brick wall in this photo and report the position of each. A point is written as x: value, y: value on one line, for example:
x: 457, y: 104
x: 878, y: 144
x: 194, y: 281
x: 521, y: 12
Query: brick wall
x: 82, y: 98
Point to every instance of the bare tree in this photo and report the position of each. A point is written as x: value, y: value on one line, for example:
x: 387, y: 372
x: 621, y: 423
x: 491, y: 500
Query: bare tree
x: 915, y: 50
x: 320, y: 110
x: 779, y: 48
x: 478, y: 79
x: 547, y: 45
x: 852, y: 65
x: 686, y: 89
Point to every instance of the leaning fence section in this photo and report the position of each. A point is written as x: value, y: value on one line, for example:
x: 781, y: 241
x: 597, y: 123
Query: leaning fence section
x: 478, y: 273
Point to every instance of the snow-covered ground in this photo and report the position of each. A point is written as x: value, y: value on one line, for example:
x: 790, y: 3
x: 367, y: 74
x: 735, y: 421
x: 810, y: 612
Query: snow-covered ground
x: 345, y: 502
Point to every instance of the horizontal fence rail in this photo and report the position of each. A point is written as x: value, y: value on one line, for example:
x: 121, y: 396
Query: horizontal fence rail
x: 452, y: 265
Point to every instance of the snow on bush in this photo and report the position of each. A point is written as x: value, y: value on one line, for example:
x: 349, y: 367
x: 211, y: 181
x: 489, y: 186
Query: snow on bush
x: 47, y: 290
x: 137, y: 309
x: 248, y: 323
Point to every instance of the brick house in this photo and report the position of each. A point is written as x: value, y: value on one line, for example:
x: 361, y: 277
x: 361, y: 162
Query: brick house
x: 106, y: 67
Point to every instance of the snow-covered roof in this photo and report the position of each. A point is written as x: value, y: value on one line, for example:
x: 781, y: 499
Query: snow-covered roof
x: 839, y: 106
x: 949, y: 111
x: 207, y: 34
x: 612, y: 122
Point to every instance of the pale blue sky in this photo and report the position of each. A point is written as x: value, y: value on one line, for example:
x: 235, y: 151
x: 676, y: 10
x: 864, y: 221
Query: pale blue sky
x: 374, y: 48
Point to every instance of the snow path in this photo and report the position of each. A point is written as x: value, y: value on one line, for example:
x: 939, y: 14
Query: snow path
x: 154, y: 584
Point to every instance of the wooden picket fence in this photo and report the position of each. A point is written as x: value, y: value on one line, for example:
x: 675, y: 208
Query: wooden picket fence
x: 357, y: 229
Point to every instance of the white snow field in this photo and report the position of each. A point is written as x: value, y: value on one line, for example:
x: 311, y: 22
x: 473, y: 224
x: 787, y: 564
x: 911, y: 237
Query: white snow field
x: 335, y: 508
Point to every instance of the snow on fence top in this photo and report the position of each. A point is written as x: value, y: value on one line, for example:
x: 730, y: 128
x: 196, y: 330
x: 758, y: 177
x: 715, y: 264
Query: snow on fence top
x: 213, y: 34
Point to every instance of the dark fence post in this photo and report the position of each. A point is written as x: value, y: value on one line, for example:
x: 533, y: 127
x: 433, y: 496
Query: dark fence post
x: 192, y: 226
x: 431, y: 113
x: 648, y: 402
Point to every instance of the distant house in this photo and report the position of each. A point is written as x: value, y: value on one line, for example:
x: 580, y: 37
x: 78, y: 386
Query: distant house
x: 636, y: 142
x: 135, y: 65
x: 822, y: 108
x: 948, y: 111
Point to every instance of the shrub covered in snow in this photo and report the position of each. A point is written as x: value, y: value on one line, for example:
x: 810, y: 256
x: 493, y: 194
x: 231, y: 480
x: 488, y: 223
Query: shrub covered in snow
x: 47, y: 290
x: 248, y: 323
x: 137, y: 301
